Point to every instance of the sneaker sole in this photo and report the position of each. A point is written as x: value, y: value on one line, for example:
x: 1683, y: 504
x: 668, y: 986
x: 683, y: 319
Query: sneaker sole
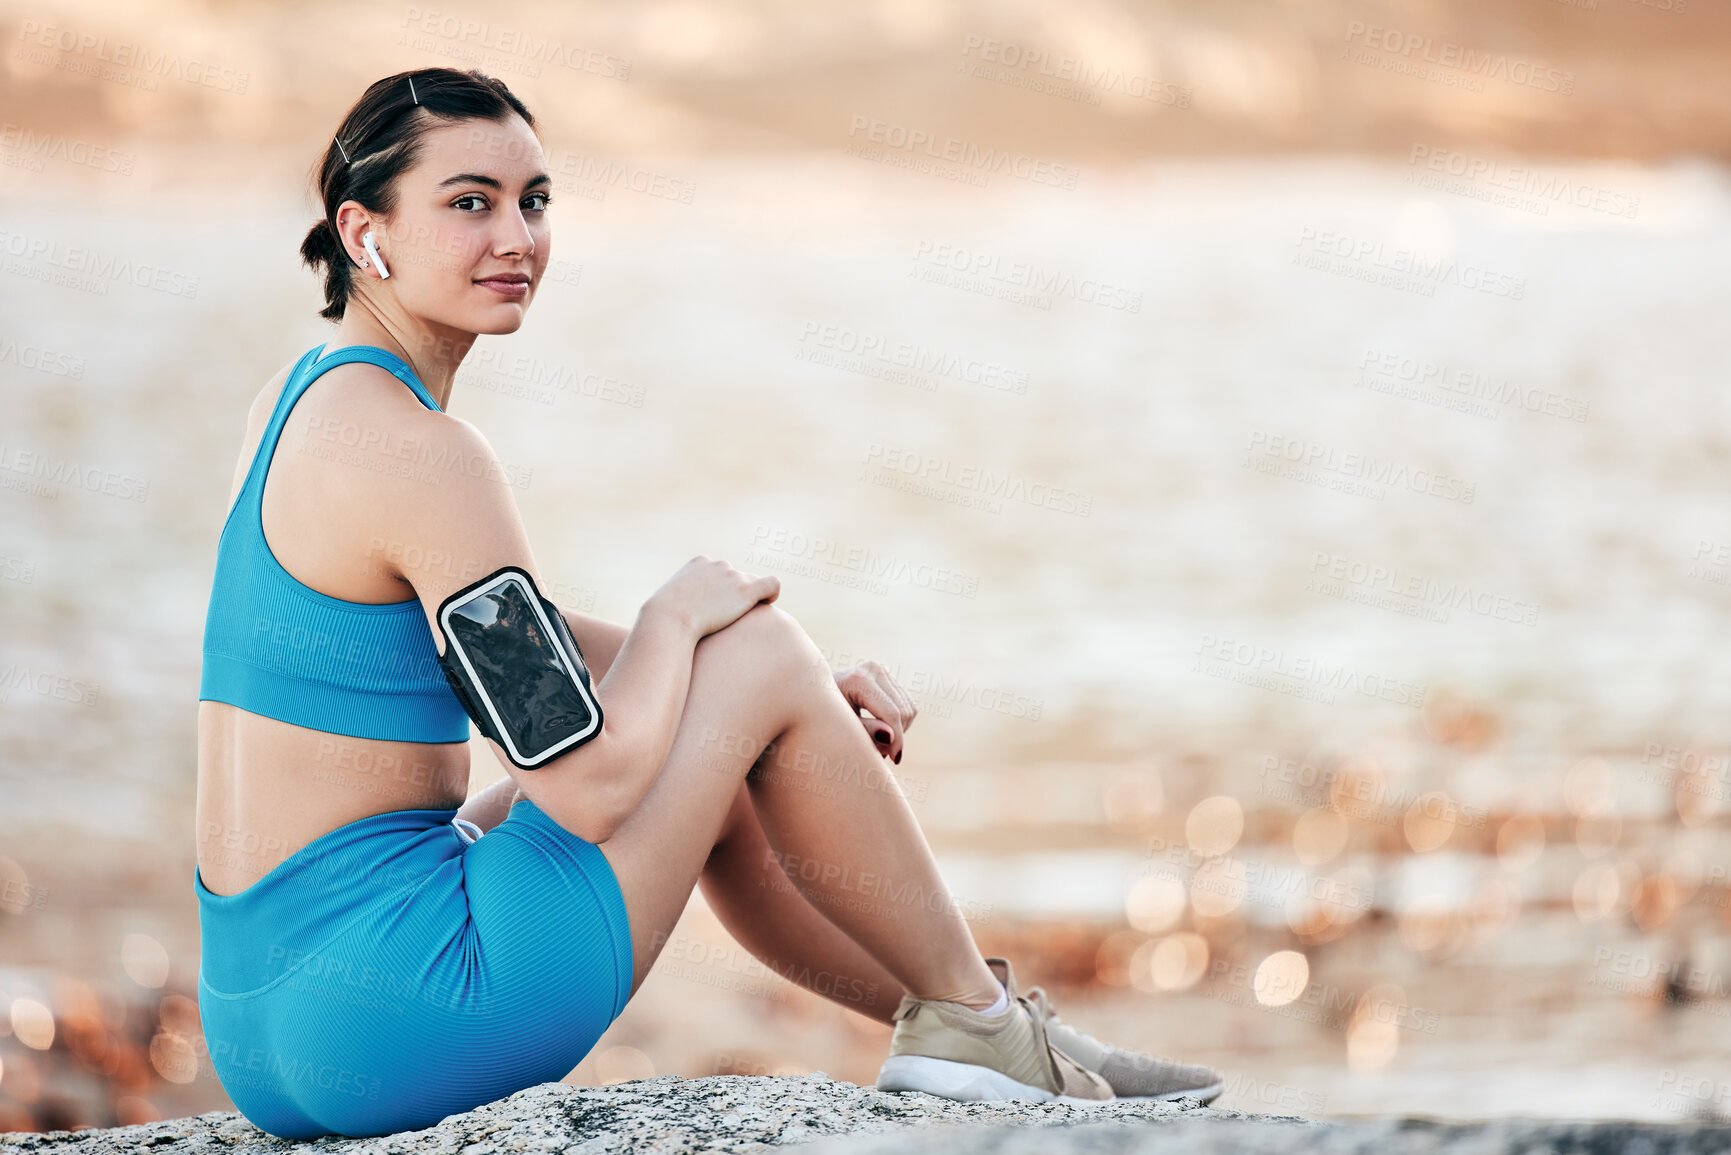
x: 964, y: 1082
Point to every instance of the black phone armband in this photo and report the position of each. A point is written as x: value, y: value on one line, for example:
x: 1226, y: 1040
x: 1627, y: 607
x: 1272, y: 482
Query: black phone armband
x: 513, y: 664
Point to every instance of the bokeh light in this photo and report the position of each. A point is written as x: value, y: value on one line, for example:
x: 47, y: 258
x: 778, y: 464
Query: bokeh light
x: 1596, y: 892
x: 1520, y: 841
x: 145, y: 960
x: 1156, y: 903
x: 33, y: 1023
x: 1214, y: 825
x: 1281, y: 978
x: 1587, y: 786
x: 1174, y: 963
x: 1373, y: 1032
x: 174, y: 1057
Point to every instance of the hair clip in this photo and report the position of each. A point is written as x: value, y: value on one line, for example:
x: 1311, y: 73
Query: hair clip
x: 342, y: 150
x: 412, y: 95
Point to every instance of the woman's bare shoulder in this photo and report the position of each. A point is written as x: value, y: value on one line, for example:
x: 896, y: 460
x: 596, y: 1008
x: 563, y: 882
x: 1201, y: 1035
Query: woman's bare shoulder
x: 266, y: 398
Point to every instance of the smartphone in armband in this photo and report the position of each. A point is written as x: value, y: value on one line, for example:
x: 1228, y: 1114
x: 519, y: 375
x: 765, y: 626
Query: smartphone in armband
x: 512, y: 662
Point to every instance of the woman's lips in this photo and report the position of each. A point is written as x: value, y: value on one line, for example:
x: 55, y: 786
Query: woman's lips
x: 507, y: 288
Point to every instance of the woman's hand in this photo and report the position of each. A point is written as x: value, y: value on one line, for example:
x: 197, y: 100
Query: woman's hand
x: 869, y: 687
x: 708, y: 595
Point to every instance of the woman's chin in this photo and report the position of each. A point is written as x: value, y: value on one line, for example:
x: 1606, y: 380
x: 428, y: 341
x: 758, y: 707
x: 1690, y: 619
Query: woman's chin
x: 504, y: 318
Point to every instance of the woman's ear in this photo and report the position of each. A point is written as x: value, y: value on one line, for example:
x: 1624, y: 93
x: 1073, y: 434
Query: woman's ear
x: 352, y: 223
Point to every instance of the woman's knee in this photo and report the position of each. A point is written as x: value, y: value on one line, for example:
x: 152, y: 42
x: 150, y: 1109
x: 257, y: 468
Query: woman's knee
x: 766, y: 642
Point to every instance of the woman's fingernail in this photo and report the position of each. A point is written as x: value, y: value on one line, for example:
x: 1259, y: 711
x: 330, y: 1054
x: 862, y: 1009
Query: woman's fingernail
x: 898, y: 758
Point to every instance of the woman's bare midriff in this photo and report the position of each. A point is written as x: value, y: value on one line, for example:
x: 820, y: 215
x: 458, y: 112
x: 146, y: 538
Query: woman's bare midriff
x: 266, y: 788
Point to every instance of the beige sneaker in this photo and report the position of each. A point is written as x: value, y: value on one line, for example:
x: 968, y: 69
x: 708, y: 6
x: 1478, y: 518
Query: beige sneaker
x: 957, y: 1052
x: 1131, y: 1074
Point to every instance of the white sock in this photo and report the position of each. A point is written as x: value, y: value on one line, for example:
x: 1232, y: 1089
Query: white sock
x: 997, y: 1008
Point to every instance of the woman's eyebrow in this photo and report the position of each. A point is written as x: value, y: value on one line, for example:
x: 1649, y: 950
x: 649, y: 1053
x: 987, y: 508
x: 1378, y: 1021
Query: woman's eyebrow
x: 491, y: 182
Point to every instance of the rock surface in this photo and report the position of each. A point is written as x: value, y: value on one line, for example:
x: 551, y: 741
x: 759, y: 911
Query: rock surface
x: 817, y: 1116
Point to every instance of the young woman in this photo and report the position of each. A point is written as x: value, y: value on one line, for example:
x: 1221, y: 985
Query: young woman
x: 378, y: 952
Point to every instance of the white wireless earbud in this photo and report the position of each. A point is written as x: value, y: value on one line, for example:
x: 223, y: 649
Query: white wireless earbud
x: 373, y: 252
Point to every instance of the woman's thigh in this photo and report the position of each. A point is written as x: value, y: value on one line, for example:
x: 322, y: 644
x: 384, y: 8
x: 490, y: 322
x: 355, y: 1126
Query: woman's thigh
x: 749, y: 682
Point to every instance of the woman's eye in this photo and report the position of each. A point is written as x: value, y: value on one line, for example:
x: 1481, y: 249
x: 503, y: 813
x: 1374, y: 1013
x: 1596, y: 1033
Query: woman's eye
x: 463, y: 202
x: 544, y: 198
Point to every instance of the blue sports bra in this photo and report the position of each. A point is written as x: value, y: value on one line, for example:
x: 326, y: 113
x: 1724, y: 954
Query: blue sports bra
x: 276, y: 647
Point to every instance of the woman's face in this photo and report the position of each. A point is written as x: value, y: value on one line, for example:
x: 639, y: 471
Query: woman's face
x: 469, y: 238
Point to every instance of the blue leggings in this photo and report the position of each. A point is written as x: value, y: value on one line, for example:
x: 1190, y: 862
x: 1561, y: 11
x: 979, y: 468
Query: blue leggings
x: 393, y: 972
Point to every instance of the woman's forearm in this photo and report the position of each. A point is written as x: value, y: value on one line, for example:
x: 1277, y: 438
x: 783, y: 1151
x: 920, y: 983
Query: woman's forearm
x: 596, y: 786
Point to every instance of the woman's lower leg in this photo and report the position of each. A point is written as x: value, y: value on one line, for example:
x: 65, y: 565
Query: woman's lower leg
x: 841, y: 832
x: 753, y: 900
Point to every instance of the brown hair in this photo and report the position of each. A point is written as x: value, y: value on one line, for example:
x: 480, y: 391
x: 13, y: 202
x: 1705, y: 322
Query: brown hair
x: 378, y: 141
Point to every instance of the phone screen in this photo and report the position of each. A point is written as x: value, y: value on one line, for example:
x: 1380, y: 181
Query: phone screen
x: 519, y: 669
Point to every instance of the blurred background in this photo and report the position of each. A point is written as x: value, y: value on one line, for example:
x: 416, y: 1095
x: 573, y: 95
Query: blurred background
x: 1281, y: 444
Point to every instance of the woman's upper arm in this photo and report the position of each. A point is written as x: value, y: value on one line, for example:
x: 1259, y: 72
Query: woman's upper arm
x: 453, y: 522
x: 450, y: 531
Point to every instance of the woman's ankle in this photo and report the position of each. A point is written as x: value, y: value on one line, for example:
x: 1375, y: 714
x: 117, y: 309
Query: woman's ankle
x: 994, y: 1002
